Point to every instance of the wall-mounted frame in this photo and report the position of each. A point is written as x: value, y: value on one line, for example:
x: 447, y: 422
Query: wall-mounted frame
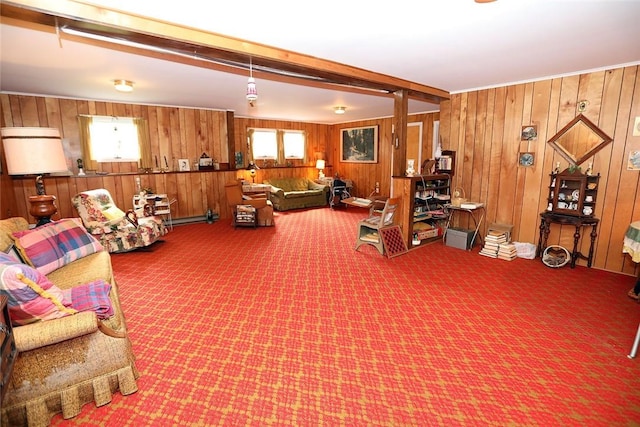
x: 579, y: 140
x: 359, y: 145
x: 634, y: 161
x: 636, y: 127
x: 526, y: 159
x: 529, y: 133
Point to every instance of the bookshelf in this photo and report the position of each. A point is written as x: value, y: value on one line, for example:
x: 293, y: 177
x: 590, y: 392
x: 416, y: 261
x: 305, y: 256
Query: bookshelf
x: 421, y: 215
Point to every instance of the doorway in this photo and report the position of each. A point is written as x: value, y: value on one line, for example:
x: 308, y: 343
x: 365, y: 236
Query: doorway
x: 414, y: 147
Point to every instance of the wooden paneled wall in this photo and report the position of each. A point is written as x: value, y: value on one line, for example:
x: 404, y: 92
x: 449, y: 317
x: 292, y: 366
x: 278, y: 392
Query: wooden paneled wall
x: 365, y: 175
x: 175, y: 133
x: 484, y: 128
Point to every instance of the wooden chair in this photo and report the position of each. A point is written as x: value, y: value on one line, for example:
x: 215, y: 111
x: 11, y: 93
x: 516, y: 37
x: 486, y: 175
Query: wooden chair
x: 369, y: 228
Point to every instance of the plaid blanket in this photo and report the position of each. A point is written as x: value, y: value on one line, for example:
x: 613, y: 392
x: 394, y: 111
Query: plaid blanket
x: 93, y: 296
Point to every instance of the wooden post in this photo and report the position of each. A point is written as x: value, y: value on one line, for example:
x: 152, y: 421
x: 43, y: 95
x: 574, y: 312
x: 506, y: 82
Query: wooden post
x: 399, y: 131
x: 231, y: 140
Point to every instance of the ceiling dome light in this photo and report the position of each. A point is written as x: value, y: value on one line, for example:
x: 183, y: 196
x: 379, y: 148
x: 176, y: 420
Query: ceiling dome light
x: 123, y: 85
x: 340, y: 110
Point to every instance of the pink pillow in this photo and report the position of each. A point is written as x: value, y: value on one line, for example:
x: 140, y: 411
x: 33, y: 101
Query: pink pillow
x: 56, y: 244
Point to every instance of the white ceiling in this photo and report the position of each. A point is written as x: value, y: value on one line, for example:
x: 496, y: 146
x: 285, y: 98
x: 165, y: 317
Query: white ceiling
x: 454, y: 45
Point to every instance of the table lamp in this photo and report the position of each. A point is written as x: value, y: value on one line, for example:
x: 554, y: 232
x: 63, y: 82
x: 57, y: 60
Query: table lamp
x: 252, y: 171
x: 320, y: 165
x: 35, y: 151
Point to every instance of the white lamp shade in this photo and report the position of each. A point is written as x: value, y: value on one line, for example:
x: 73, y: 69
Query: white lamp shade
x: 33, y: 150
x: 320, y: 164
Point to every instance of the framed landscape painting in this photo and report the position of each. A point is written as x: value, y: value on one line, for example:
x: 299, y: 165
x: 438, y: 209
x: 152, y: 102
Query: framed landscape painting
x: 359, y: 145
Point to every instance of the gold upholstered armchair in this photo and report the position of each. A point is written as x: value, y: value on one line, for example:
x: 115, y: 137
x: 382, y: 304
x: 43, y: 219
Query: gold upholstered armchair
x: 117, y: 231
x: 68, y: 355
x: 263, y: 206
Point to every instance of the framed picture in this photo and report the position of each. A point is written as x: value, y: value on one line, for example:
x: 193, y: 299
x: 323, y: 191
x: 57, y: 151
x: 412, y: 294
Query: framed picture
x: 636, y: 126
x: 529, y: 133
x: 183, y: 165
x: 634, y: 161
x: 359, y: 145
x: 526, y: 159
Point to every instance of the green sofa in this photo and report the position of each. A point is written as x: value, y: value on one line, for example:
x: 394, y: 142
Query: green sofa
x: 297, y: 193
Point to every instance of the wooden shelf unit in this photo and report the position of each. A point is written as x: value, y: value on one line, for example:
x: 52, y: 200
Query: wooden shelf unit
x: 421, y: 212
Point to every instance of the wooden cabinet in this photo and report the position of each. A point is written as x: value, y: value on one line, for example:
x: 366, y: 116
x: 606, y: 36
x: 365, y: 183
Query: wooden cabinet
x: 421, y: 215
x: 573, y: 193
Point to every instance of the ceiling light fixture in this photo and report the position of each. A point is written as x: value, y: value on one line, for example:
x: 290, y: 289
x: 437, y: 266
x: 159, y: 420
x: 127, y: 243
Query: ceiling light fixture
x: 123, y: 85
x: 340, y: 110
x: 252, y: 92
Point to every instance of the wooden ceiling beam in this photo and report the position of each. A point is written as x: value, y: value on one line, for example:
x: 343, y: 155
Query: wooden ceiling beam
x: 183, y: 40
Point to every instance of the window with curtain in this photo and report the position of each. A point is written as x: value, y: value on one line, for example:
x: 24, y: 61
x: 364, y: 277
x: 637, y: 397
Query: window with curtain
x: 264, y: 144
x: 275, y: 144
x: 114, y: 139
x: 293, y: 142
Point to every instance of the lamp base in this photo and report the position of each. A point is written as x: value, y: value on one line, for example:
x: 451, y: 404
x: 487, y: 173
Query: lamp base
x: 42, y: 208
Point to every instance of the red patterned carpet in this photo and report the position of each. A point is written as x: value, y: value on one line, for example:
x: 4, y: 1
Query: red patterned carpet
x: 289, y: 326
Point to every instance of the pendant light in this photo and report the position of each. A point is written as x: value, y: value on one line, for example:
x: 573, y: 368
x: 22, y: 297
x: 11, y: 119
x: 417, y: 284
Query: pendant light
x: 252, y: 92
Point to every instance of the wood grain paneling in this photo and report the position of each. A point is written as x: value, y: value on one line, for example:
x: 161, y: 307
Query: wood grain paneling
x: 485, y: 127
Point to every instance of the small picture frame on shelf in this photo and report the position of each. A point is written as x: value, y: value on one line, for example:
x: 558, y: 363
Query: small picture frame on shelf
x: 526, y: 159
x: 183, y: 165
x: 205, y: 162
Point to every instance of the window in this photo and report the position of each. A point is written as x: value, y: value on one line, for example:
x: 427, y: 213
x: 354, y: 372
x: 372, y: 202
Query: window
x: 114, y: 139
x: 277, y: 145
x: 293, y: 144
x: 264, y: 144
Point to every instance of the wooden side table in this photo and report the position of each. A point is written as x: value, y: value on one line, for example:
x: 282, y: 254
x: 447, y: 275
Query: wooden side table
x: 578, y: 222
x: 8, y: 351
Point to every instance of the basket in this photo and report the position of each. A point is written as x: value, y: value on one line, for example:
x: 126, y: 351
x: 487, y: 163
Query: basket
x: 556, y: 256
x: 458, y: 197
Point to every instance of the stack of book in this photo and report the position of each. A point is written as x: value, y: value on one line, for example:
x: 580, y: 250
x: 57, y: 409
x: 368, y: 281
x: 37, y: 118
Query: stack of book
x: 492, y: 242
x: 507, y: 251
x: 245, y: 213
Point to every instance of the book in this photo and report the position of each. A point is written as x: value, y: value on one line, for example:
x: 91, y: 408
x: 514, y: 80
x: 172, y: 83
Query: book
x: 471, y: 205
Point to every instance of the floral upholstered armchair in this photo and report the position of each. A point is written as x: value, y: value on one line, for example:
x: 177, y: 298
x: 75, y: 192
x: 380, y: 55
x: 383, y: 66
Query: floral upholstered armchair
x: 117, y: 231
